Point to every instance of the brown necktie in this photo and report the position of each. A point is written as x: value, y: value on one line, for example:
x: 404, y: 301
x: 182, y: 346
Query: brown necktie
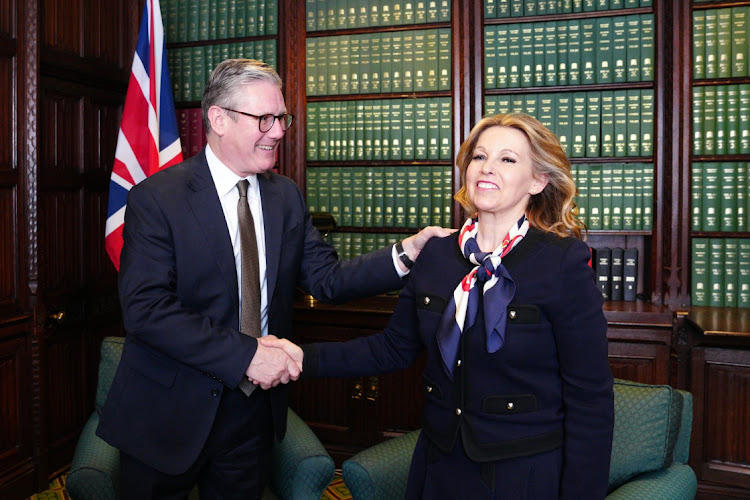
x: 250, y: 287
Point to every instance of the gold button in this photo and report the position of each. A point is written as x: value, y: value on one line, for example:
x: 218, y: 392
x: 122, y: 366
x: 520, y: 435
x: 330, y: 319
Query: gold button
x: 458, y: 411
x: 426, y: 301
x: 510, y: 405
x: 458, y: 363
x: 429, y: 388
x: 512, y: 314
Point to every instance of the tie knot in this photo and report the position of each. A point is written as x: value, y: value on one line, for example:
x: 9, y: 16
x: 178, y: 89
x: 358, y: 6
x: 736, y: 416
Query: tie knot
x: 242, y: 187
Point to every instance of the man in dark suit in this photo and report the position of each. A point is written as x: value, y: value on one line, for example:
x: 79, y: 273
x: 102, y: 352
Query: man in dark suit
x: 175, y: 410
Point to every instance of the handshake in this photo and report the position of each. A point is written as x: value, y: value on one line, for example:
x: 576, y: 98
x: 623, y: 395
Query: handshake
x: 276, y: 361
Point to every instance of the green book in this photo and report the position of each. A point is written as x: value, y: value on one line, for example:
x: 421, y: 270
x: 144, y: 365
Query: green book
x: 437, y: 195
x: 169, y: 12
x: 344, y: 68
x: 222, y: 15
x: 187, y: 73
x: 397, y: 15
x: 351, y: 15
x: 616, y: 203
x: 516, y: 8
x: 740, y: 41
x: 490, y: 9
x: 514, y: 55
x: 742, y: 195
x: 407, y: 128
x: 335, y: 194
x: 699, y: 275
x: 582, y: 181
x: 539, y: 50
x: 347, y: 196
x: 564, y: 121
x: 529, y: 8
x: 324, y: 189
x: 698, y: 119
x: 696, y: 196
x: 606, y: 190
x: 446, y: 128
x: 724, y: 42
x: 444, y: 59
x: 389, y: 196
x: 420, y: 61
x: 310, y: 10
x: 320, y: 15
x: 313, y: 125
x: 420, y: 13
x: 619, y: 49
x: 355, y: 58
x: 433, y: 128
x: 369, y: 192
x: 711, y: 201
x: 639, y: 191
x: 744, y: 118
x: 385, y: 14
x: 595, y: 196
x: 396, y: 118
x: 333, y: 61
x: 377, y: 129
x: 732, y: 119
x: 647, y: 47
x: 604, y: 50
x: 729, y: 196
x: 608, y: 124
x: 578, y: 130
x: 408, y: 13
x: 311, y: 65
x: 352, y: 130
x: 433, y: 60
x: 712, y: 43
x: 699, y: 44
x: 385, y: 134
x: 531, y: 105
x: 213, y: 21
x: 412, y: 197
x: 633, y: 50
x: 199, y: 72
x: 527, y: 55
x: 425, y: 196
x: 490, y: 105
x: 547, y: 110
x: 420, y: 129
x: 743, y: 273
x: 491, y: 55
x: 321, y: 85
x: 408, y: 61
x: 574, y: 52
x: 375, y: 62
x: 399, y: 202
x: 551, y: 53
x: 365, y: 63
x: 647, y: 197
x: 716, y: 272
x: 647, y: 122
x: 358, y: 196
x: 593, y: 124
x: 589, y: 5
x: 562, y: 52
x: 359, y: 133
x: 503, y: 8
x: 323, y: 130
x: 447, y: 196
x: 312, y: 195
x: 378, y: 196
x: 500, y: 59
x: 709, y: 120
x: 628, y: 197
x: 589, y: 47
x: 396, y: 66
x: 634, y: 122
x: 252, y: 18
x: 720, y: 138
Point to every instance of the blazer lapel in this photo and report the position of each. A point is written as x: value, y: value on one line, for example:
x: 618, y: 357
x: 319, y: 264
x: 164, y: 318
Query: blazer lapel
x: 273, y: 221
x: 210, y: 216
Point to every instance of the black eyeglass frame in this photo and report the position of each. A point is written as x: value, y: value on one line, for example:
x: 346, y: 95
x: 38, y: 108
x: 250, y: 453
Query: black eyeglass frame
x: 284, y: 124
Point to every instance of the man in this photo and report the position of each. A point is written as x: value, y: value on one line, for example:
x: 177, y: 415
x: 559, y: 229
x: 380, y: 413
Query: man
x: 178, y: 409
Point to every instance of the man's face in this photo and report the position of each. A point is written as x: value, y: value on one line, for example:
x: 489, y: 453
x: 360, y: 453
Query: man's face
x: 243, y: 147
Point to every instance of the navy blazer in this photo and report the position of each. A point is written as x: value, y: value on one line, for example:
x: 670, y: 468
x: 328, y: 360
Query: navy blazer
x: 179, y: 297
x: 549, y: 385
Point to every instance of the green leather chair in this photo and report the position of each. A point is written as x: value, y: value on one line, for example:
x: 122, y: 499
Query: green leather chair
x: 650, y: 450
x: 302, y: 467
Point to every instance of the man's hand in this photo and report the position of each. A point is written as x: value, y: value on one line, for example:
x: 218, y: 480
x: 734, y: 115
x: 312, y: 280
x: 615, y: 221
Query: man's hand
x: 292, y: 350
x: 272, y: 365
x: 416, y: 242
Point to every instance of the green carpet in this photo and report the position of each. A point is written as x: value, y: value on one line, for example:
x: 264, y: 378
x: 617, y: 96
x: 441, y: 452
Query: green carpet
x: 337, y: 490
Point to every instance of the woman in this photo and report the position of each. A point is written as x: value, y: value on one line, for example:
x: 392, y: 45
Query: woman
x: 518, y: 386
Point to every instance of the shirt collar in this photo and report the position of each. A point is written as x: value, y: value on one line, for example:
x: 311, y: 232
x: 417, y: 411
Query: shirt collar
x: 224, y: 179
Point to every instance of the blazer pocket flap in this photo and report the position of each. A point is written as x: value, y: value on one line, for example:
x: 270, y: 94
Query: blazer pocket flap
x: 524, y: 314
x: 507, y: 405
x: 430, y: 302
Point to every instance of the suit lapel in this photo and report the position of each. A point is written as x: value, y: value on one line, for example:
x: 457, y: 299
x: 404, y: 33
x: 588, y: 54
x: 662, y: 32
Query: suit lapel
x: 273, y: 221
x: 210, y: 216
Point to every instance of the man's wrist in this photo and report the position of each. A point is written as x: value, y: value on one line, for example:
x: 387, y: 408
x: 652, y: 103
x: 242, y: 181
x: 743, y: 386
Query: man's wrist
x: 402, y: 256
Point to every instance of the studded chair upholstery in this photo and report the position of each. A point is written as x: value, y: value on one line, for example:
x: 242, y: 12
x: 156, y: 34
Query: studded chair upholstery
x: 302, y: 469
x: 650, y: 450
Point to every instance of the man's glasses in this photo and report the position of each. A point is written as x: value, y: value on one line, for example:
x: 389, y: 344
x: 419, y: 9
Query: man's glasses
x: 265, y: 122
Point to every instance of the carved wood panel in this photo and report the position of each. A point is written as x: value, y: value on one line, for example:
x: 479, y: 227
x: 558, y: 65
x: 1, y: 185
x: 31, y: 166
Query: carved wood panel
x: 646, y: 363
x: 8, y: 136
x: 8, y: 254
x: 15, y: 409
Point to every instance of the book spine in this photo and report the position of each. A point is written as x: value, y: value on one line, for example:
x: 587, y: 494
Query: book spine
x: 618, y: 268
x: 630, y: 274
x: 595, y: 196
x: 539, y: 50
x: 711, y: 201
x: 603, y: 270
x: 740, y: 41
x: 389, y: 196
x: 728, y: 201
x: 699, y: 44
x: 712, y: 41
x: 634, y: 122
x: 743, y: 273
x: 617, y: 195
x: 647, y: 47
x: 724, y: 42
x: 593, y: 124
x: 604, y: 50
x: 634, y: 48
x: 347, y: 196
x: 716, y: 272
x: 731, y: 269
x: 425, y: 196
x: 588, y: 50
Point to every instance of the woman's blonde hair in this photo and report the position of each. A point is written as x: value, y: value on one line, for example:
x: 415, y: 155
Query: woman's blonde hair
x: 552, y: 210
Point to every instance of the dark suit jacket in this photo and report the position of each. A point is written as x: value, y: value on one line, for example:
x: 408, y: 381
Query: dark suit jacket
x: 178, y: 291
x: 553, y: 366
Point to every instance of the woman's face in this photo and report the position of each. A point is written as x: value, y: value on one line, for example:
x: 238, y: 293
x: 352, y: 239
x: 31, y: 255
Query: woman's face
x: 500, y: 177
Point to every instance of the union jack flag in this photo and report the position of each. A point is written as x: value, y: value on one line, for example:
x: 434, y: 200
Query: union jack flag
x: 148, y: 140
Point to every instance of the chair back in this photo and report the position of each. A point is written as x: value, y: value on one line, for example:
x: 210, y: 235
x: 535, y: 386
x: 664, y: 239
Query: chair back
x: 111, y: 353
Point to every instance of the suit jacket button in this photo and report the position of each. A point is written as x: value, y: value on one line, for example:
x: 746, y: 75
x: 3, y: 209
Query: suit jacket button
x: 429, y: 388
x: 215, y: 392
x: 512, y: 314
x: 458, y: 363
x: 426, y: 301
x: 458, y: 411
x: 510, y: 405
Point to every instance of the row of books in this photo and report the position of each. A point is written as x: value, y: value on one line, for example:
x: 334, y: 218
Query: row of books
x: 414, y: 196
x: 720, y: 272
x: 518, y: 8
x: 191, y: 130
x: 350, y: 245
x: 617, y: 196
x: 196, y: 20
x: 349, y: 14
x: 400, y: 61
x: 720, y: 42
x: 721, y: 119
x: 720, y: 198
x: 191, y: 67
x: 379, y: 129
x: 611, y: 123
x: 569, y: 52
x: 616, y: 272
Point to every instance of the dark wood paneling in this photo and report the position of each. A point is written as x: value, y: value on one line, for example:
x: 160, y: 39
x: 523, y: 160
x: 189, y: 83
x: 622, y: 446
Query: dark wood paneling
x: 646, y: 363
x: 15, y: 408
x: 61, y: 24
x: 8, y: 136
x: 721, y: 435
x: 8, y: 254
x: 8, y: 18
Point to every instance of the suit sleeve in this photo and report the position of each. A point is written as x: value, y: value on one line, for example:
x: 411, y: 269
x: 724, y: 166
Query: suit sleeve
x: 580, y: 330
x: 153, y: 311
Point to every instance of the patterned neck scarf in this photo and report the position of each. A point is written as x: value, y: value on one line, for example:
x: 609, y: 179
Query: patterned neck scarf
x: 498, y: 291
